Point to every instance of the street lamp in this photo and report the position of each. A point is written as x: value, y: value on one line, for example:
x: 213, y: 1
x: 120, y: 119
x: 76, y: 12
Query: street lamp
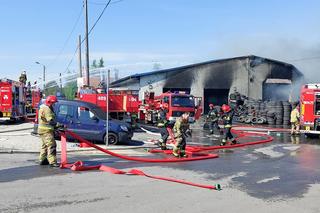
x: 44, y: 74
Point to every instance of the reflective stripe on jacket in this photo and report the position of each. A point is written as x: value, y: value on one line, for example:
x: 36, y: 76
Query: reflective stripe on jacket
x: 227, y: 119
x: 295, y: 115
x: 180, y: 127
x: 45, y: 115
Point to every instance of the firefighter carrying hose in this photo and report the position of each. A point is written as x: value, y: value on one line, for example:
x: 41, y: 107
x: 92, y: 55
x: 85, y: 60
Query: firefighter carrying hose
x: 213, y: 118
x: 163, y: 124
x: 181, y: 130
x: 227, y: 122
x: 46, y: 127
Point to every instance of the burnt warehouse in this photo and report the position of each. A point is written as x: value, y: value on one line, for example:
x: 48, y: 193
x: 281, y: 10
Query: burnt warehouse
x: 255, y: 77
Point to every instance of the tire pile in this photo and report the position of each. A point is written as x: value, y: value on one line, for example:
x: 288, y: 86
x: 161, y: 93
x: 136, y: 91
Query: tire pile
x: 264, y: 112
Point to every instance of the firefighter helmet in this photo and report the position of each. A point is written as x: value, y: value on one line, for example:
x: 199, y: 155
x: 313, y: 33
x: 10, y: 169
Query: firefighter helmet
x: 51, y: 99
x: 226, y: 108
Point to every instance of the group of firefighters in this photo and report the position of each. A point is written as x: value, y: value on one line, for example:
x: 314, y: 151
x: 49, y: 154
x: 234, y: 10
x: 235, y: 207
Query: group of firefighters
x: 181, y: 129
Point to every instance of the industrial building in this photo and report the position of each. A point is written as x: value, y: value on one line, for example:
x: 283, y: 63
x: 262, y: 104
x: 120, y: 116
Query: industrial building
x: 252, y: 76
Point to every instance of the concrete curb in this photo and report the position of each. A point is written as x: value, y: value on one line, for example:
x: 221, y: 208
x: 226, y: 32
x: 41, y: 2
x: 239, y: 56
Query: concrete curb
x: 16, y: 130
x: 17, y: 151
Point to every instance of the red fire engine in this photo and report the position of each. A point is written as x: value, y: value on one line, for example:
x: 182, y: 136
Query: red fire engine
x: 310, y: 109
x: 12, y: 99
x: 14, y: 103
x: 120, y: 102
x: 176, y: 104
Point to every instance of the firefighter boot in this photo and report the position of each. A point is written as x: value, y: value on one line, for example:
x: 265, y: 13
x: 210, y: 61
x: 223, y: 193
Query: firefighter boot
x: 44, y: 162
x: 183, y: 154
x: 55, y: 165
x: 175, y: 152
x: 233, y: 142
x: 223, y: 142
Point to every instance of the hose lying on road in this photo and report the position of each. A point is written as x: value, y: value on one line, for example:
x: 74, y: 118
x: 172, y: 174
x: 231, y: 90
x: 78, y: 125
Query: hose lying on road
x: 200, y: 156
x: 193, y: 150
x: 240, y: 134
x: 79, y: 166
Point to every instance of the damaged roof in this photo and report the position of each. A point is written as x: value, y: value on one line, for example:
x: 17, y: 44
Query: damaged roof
x: 254, y: 61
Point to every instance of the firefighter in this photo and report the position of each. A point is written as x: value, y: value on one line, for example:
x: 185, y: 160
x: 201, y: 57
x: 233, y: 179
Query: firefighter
x: 181, y: 130
x: 23, y: 77
x: 46, y: 127
x: 227, y: 122
x: 213, y: 118
x: 295, y: 120
x: 163, y: 124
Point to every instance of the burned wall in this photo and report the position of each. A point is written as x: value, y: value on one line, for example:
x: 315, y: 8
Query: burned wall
x: 246, y: 74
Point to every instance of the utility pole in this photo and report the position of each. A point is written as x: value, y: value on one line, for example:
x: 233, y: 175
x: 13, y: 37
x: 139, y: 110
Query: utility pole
x: 87, y: 43
x: 107, y: 104
x: 79, y: 57
x: 60, y: 82
x: 44, y: 77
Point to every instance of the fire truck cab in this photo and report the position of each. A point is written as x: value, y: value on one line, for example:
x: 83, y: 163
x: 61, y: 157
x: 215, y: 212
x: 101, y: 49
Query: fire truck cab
x: 175, y: 103
x: 12, y: 100
x: 310, y: 109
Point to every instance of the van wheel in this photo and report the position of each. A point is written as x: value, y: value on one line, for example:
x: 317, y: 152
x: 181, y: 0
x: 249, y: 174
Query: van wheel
x: 113, y: 139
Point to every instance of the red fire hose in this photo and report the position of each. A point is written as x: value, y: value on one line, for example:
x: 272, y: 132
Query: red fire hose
x: 193, y: 150
x: 200, y: 156
x: 79, y: 166
x: 240, y: 134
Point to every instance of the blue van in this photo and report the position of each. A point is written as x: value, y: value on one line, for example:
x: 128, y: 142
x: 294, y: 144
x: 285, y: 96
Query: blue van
x: 89, y: 121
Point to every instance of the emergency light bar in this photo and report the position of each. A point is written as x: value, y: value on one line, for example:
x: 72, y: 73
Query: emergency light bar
x: 312, y: 86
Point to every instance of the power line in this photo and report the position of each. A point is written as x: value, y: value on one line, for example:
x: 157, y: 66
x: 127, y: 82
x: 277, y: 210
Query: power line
x: 101, y: 14
x: 68, y: 38
x: 93, y: 26
x: 99, y: 3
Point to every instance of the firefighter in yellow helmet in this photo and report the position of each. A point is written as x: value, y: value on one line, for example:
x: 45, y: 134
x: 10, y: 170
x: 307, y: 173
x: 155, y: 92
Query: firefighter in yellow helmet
x: 46, y: 127
x: 181, y: 130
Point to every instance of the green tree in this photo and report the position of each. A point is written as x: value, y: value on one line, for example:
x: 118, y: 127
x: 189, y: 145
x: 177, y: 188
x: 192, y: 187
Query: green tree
x: 156, y: 66
x: 51, y: 88
x: 94, y: 64
x: 70, y: 89
x: 101, y: 62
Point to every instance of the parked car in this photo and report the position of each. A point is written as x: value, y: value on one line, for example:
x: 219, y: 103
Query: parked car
x: 89, y: 121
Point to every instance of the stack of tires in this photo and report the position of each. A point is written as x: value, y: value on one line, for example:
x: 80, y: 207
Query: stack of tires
x: 271, y: 116
x: 270, y: 112
x: 286, y: 112
x: 278, y: 109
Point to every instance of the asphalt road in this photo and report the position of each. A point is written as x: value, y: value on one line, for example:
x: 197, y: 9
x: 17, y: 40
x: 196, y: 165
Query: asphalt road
x: 282, y: 176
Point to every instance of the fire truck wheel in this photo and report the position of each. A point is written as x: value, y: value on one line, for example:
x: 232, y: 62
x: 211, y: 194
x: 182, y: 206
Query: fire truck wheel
x: 113, y: 138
